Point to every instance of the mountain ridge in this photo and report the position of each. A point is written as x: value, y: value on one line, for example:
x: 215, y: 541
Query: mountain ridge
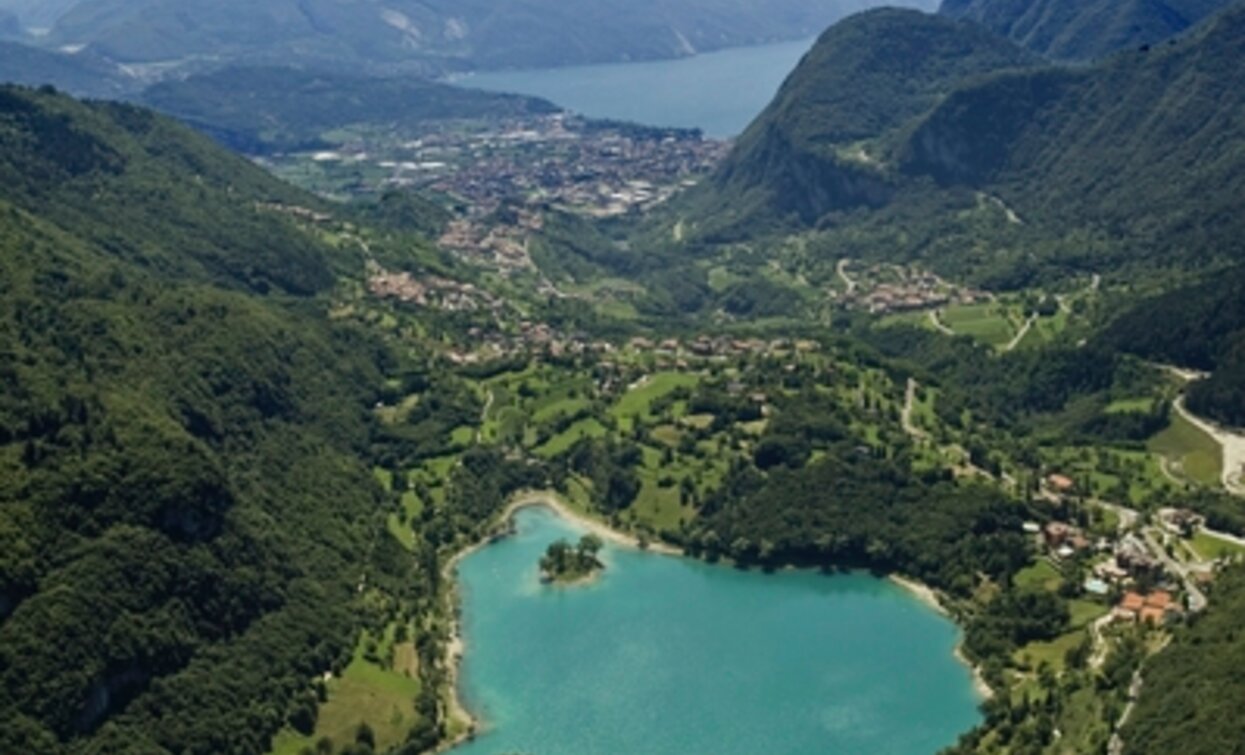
x: 1081, y: 30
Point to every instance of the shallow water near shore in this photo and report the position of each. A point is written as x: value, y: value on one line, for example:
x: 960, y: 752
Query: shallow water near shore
x: 670, y: 655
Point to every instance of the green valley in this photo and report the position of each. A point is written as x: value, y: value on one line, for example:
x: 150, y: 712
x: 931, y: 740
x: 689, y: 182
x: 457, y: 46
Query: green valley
x: 947, y: 312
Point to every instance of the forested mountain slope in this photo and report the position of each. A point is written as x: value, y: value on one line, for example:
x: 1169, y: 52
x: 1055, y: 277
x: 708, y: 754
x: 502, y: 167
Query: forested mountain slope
x: 1201, y: 326
x: 184, y: 515
x: 1083, y: 29
x: 867, y: 75
x: 473, y: 33
x: 261, y: 109
x: 1123, y: 166
x: 1192, y: 689
x: 1145, y: 150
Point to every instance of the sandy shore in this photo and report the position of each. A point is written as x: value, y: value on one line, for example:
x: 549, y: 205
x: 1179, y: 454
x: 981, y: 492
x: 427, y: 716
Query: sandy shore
x: 929, y: 597
x: 600, y: 529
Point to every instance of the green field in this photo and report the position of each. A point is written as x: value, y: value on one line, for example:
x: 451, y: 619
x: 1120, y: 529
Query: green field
x: 585, y: 428
x: 637, y: 402
x: 1191, y: 452
x: 1130, y: 406
x: 989, y: 323
x: 1209, y: 547
x: 1083, y: 612
x: 364, y: 692
x: 1051, y: 653
x: 1040, y: 576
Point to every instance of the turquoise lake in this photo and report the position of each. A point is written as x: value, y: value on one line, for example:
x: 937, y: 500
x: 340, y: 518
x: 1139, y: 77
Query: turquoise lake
x: 665, y: 655
x: 718, y: 92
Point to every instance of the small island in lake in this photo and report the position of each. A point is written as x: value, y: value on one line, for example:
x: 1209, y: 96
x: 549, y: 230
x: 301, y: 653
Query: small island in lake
x: 566, y: 564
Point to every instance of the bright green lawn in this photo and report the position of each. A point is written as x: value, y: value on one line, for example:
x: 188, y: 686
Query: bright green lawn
x: 1052, y: 653
x: 585, y: 428
x: 638, y: 401
x: 367, y: 693
x: 985, y: 322
x: 1192, y: 451
x: 1042, y: 575
x: 1210, y: 547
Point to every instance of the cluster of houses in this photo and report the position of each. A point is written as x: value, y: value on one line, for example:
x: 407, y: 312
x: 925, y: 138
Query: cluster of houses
x: 1129, y: 563
x: 500, y: 246
x: 558, y: 160
x: 888, y: 289
x: 432, y: 291
x: 720, y: 347
x: 1156, y: 608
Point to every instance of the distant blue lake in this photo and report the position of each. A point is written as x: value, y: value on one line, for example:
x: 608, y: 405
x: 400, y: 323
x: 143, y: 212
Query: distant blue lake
x: 719, y: 92
x: 670, y: 656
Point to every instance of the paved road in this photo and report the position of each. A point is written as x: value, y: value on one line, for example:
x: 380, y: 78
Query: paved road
x: 841, y: 269
x: 1197, y: 599
x: 938, y: 324
x: 1020, y: 336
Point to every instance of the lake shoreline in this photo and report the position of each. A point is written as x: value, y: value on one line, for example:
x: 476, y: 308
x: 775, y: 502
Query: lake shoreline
x: 456, y: 647
x: 930, y: 597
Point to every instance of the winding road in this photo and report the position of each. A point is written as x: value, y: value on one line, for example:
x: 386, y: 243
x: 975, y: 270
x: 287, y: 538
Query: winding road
x: 1020, y: 334
x: 938, y: 324
x: 841, y: 269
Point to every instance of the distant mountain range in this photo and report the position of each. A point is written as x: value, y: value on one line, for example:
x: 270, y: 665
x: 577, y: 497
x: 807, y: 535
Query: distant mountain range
x: 37, y: 14
x: 1083, y: 29
x: 257, y: 110
x: 433, y: 34
x: 83, y: 74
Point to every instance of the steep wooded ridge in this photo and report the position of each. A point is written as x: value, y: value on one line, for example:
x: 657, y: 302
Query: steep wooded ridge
x: 184, y: 515
x: 1083, y: 29
x: 1201, y: 326
x: 1145, y: 149
x: 1141, y: 155
x: 1188, y: 704
x: 260, y: 109
x: 804, y: 156
x: 473, y: 33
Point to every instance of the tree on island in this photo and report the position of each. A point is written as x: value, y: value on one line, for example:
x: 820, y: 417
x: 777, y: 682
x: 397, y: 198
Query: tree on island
x: 563, y: 562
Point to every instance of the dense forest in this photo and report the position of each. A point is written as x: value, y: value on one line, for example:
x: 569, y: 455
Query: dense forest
x: 1201, y: 327
x: 184, y: 510
x: 1193, y: 688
